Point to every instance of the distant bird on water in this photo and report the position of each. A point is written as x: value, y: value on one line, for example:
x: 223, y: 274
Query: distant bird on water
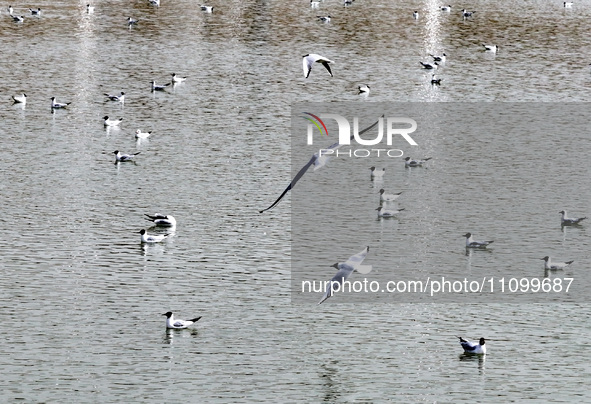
x: 20, y: 98
x: 142, y: 135
x: 35, y: 12
x: 177, y: 79
x: 178, y: 324
x: 364, y: 88
x: 471, y: 243
x: 117, y: 98
x: 120, y: 157
x: 89, y: 9
x: 57, y: 105
x: 377, y: 175
x: 408, y: 162
x: 569, y: 221
x: 207, y: 9
x: 549, y: 265
x: 430, y: 66
x: 162, y: 220
x: 324, y: 19
x: 472, y: 347
x: 490, y: 48
x: 111, y: 122
x: 415, y: 15
x: 156, y: 87
x: 153, y: 238
x: 131, y: 21
x: 388, y: 212
x: 434, y: 81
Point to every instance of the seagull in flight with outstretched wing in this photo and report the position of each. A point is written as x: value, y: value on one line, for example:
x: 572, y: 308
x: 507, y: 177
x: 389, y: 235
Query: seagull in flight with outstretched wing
x: 345, y: 269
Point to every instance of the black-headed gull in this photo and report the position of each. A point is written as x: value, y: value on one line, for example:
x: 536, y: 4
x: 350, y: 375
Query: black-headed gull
x: 376, y: 174
x: 490, y: 48
x: 318, y: 160
x: 434, y: 81
x: 35, y: 12
x: 364, y: 88
x: 142, y: 135
x: 178, y: 324
x: 567, y: 4
x: 10, y: 10
x: 569, y: 221
x: 312, y: 58
x: 17, y: 18
x: 466, y: 13
x: 207, y: 9
x: 384, y: 197
x: 177, y: 79
x: 111, y: 122
x: 154, y: 238
x: 314, y: 4
x: 117, y: 98
x: 323, y: 18
x: 446, y: 8
x: 124, y: 157
x: 388, y: 212
x: 57, y: 105
x: 472, y: 347
x: 89, y: 9
x: 430, y: 66
x: 155, y: 3
x: 131, y: 21
x: 20, y: 98
x: 439, y: 58
x: 408, y: 162
x: 415, y: 15
x: 548, y: 264
x: 156, y: 87
x: 471, y: 243
x: 162, y: 220
x: 345, y: 269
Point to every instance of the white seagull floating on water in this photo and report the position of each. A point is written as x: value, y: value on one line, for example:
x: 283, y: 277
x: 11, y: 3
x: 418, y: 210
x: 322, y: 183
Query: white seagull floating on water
x: 153, y: 238
x: 142, y: 135
x: 156, y: 87
x: 20, y: 98
x: 384, y: 197
x: 111, y: 122
x: 35, y: 12
x: 318, y: 160
x: 408, y: 162
x: 364, y: 88
x: 178, y: 324
x: 430, y: 66
x: 117, y: 98
x: 439, y: 58
x: 207, y: 9
x: 388, y: 212
x: 177, y: 79
x: 162, y: 220
x: 548, y: 264
x: 569, y: 221
x: 415, y: 15
x: 472, y: 347
x: 155, y: 3
x: 490, y: 48
x: 466, y: 13
x: 446, y: 8
x: 89, y: 9
x: 312, y: 58
x: 471, y: 243
x: 124, y: 157
x: 375, y: 174
x: 17, y: 18
x: 314, y: 4
x: 131, y: 21
x: 324, y: 19
x: 568, y: 4
x: 57, y: 105
x: 345, y: 269
x: 10, y: 10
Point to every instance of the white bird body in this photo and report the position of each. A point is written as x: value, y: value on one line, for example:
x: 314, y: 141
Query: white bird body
x: 490, y: 48
x: 111, y: 122
x: 345, y: 269
x: 324, y: 19
x: 466, y: 13
x: 415, y: 15
x: 155, y: 3
x: 471, y: 243
x: 472, y: 347
x: 57, y: 105
x: 549, y: 265
x: 131, y: 21
x: 568, y: 4
x: 377, y: 175
x: 177, y: 79
x: 20, y: 98
x: 89, y: 9
x: 142, y: 135
x: 153, y: 238
x: 35, y: 12
x: 162, y: 220
x: 569, y: 221
x: 364, y: 88
x: 446, y: 8
x: 314, y: 4
x: 207, y: 9
x: 117, y: 98
x: 408, y: 162
x: 384, y: 197
x: 388, y: 212
x: 156, y: 87
x: 310, y: 59
x: 178, y: 324
x: 10, y: 10
x: 17, y: 18
x: 124, y: 157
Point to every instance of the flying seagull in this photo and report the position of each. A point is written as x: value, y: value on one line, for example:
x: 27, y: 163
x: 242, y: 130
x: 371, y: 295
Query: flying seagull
x: 345, y: 269
x: 312, y: 58
x: 318, y: 162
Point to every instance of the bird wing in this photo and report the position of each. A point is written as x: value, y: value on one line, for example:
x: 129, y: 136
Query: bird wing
x: 340, y: 278
x: 311, y: 162
x: 307, y: 65
x: 355, y: 260
x: 327, y: 66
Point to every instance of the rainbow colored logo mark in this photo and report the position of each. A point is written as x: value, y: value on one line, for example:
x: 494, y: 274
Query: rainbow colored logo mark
x: 316, y: 123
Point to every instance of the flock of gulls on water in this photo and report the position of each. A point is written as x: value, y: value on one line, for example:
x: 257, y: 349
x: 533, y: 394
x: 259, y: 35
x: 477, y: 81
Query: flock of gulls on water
x: 386, y: 210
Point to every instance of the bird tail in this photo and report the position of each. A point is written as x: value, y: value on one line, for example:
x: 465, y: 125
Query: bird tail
x: 490, y: 242
x: 195, y: 319
x: 135, y: 154
x: 462, y: 339
x: 569, y: 262
x: 428, y: 158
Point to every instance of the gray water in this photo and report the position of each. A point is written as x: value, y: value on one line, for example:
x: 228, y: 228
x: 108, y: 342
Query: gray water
x: 82, y: 299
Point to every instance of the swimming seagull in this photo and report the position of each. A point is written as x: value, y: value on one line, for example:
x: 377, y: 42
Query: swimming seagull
x: 176, y: 79
x: 490, y: 48
x: 568, y: 221
x: 111, y: 122
x: 318, y: 160
x: 568, y: 4
x: 314, y: 4
x: 119, y: 98
x: 10, y: 10
x: 415, y: 15
x: 158, y: 87
x: 207, y: 9
x: 155, y: 3
x: 388, y: 212
x: 20, y: 98
x: 142, y: 135
x: 384, y: 197
x: 466, y: 13
x: 446, y: 8
x: 325, y: 19
x: 548, y: 264
x: 16, y: 18
x: 439, y: 58
x: 364, y: 88
x: 124, y: 157
x: 377, y: 175
x: 178, y: 324
x: 470, y: 243
x: 56, y: 105
x: 162, y: 220
x: 434, y: 81
x: 345, y: 269
x: 472, y: 347
x: 131, y: 21
x: 408, y: 162
x: 35, y: 12
x: 89, y: 9
x: 312, y: 58
x: 155, y: 238
x: 429, y: 66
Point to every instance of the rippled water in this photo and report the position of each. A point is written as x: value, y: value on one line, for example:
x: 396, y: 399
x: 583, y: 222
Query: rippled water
x: 82, y: 299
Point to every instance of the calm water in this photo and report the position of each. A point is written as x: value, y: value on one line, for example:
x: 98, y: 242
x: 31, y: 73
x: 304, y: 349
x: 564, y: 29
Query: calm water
x: 82, y: 299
